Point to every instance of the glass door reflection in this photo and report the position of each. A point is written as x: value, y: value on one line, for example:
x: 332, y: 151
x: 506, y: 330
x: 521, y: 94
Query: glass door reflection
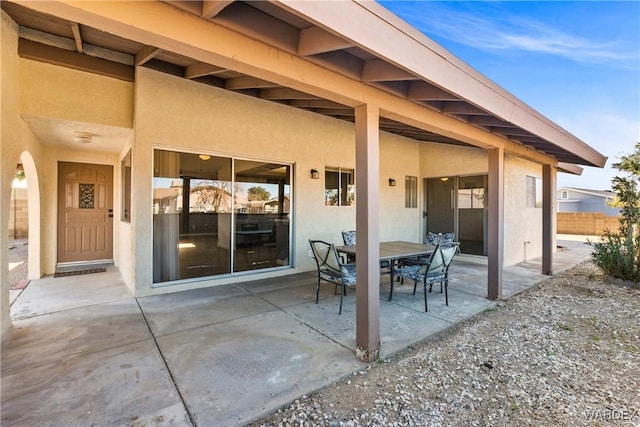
x: 262, y: 204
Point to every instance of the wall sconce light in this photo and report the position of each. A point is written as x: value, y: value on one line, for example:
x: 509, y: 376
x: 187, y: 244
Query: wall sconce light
x: 392, y: 182
x: 315, y: 174
x: 204, y: 157
x: 444, y: 178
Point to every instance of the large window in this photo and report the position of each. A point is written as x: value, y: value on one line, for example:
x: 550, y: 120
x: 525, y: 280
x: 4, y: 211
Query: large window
x: 339, y: 187
x: 216, y: 215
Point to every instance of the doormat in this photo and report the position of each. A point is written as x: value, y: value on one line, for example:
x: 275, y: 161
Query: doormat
x: 79, y: 272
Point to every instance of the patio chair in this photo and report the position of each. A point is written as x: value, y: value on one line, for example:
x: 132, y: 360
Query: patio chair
x: 436, y: 269
x: 349, y: 238
x: 332, y: 269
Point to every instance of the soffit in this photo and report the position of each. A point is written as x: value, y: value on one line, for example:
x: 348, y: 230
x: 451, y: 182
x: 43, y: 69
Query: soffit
x: 89, y: 48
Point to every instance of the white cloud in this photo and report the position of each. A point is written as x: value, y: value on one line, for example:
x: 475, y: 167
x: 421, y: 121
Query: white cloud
x: 510, y: 33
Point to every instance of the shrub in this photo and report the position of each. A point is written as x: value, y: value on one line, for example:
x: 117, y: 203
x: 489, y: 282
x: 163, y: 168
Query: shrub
x: 618, y: 254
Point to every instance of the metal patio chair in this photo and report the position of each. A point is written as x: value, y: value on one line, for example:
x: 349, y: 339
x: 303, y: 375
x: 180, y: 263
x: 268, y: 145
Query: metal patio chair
x: 435, y: 270
x: 332, y: 269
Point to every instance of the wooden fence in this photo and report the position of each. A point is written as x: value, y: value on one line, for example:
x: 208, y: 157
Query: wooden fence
x: 585, y: 223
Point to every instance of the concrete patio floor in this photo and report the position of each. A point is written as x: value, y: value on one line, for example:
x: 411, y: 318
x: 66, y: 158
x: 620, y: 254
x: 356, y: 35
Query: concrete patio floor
x: 82, y: 351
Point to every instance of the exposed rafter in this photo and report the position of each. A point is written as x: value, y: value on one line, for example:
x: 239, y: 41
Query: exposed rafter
x: 377, y: 70
x: 75, y: 29
x: 211, y: 8
x: 284, y: 93
x: 314, y: 40
x: 422, y: 91
x: 146, y: 54
x: 247, y: 82
x: 201, y: 69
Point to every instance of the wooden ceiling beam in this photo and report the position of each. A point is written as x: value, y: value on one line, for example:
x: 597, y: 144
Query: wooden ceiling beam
x: 77, y: 36
x: 422, y: 91
x: 314, y: 40
x: 377, y: 70
x: 146, y: 54
x: 317, y: 103
x: 489, y: 121
x: 210, y: 8
x: 284, y: 93
x: 72, y: 59
x: 201, y: 69
x: 248, y: 82
x: 460, y: 107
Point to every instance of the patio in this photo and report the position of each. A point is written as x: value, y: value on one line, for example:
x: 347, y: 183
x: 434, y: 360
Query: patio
x: 82, y: 351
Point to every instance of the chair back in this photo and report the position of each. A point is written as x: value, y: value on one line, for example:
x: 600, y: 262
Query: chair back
x: 439, y: 238
x: 325, y: 255
x: 349, y: 237
x: 448, y: 251
x: 433, y: 264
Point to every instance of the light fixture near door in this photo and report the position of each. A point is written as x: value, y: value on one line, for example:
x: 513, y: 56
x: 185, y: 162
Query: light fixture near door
x: 204, y: 157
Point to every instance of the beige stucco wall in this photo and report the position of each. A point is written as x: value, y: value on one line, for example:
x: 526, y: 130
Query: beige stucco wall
x: 175, y: 113
x: 17, y: 144
x: 75, y: 95
x: 521, y: 224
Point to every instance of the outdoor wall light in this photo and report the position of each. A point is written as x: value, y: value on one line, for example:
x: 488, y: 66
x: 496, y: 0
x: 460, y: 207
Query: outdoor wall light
x: 315, y: 174
x: 444, y: 178
x: 392, y: 182
x: 204, y: 157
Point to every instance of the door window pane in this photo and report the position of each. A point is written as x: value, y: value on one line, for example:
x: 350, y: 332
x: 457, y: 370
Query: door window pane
x: 262, y: 204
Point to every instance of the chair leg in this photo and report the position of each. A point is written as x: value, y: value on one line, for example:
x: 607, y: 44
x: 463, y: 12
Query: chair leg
x: 446, y: 293
x: 415, y: 285
x: 335, y: 289
x: 318, y: 291
x: 426, y: 309
x: 430, y: 287
x: 342, y: 291
x: 391, y: 290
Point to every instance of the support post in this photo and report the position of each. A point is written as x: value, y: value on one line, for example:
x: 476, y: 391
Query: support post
x: 495, y: 223
x: 548, y: 229
x: 367, y: 224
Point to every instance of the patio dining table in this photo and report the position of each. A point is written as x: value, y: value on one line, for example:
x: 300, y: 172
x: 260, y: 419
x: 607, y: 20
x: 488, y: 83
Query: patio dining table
x: 393, y: 252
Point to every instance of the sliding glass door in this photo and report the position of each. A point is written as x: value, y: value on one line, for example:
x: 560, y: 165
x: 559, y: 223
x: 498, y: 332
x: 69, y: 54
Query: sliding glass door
x: 457, y: 204
x: 217, y: 216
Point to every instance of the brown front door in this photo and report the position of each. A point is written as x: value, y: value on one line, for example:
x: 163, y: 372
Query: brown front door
x: 85, y: 212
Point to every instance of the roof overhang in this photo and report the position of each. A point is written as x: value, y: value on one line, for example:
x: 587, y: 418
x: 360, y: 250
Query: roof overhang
x: 325, y: 57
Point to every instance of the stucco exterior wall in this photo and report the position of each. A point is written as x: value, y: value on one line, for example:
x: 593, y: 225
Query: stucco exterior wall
x: 521, y: 224
x: 174, y: 113
x: 75, y: 95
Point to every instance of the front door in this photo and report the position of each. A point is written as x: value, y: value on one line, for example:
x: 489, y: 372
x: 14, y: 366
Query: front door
x: 85, y: 212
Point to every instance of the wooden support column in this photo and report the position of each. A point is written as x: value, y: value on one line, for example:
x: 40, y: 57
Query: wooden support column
x: 367, y: 224
x: 495, y: 223
x: 548, y: 230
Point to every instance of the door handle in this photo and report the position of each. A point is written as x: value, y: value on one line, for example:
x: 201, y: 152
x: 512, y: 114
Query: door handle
x: 110, y: 213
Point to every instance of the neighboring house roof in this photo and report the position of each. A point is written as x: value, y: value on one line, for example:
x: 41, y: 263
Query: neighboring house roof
x: 324, y: 57
x: 606, y: 194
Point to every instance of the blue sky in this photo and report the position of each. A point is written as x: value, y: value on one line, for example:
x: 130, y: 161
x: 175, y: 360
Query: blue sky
x: 576, y: 62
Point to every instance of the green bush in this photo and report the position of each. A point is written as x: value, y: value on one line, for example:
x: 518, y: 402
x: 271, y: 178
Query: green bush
x: 618, y: 254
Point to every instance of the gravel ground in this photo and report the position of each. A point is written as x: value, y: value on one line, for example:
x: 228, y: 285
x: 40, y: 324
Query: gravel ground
x: 565, y: 353
x: 18, y: 254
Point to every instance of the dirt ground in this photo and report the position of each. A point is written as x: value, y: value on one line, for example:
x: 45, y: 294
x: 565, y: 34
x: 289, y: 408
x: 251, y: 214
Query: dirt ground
x: 18, y: 266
